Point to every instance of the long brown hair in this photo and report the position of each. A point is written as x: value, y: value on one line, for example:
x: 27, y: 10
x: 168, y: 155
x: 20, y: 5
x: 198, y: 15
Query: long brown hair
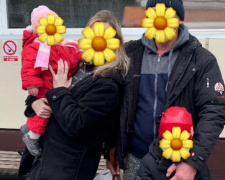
x: 121, y: 63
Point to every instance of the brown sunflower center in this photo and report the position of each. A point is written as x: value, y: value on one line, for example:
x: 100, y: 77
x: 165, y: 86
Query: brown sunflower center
x: 176, y: 144
x: 99, y: 43
x: 50, y: 29
x: 160, y: 23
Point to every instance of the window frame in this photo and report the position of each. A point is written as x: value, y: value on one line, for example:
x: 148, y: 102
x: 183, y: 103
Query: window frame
x: 128, y: 33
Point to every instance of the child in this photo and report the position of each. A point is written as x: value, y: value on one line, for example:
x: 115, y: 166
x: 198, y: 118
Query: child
x: 36, y: 78
x: 176, y: 121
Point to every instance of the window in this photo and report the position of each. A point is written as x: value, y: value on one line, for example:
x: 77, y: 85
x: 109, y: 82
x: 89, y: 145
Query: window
x: 75, y: 13
x: 204, y: 14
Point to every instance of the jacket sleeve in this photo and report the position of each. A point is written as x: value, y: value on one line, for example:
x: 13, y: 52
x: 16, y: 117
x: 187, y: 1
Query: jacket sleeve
x: 144, y: 171
x: 210, y: 105
x: 30, y: 75
x: 82, y: 116
x: 29, y: 112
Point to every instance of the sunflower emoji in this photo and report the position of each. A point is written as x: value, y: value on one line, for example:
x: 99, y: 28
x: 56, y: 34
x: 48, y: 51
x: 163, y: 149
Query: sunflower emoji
x: 161, y: 23
x: 50, y: 29
x: 99, y: 44
x: 176, y: 145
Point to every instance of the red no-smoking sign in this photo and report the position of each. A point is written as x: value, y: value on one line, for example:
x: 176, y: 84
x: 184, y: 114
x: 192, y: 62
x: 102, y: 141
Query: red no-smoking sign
x: 10, y: 50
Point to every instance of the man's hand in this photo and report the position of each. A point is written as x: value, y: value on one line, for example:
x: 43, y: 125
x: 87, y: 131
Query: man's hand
x: 113, y: 171
x: 60, y: 79
x: 41, y: 108
x: 33, y: 90
x: 184, y: 171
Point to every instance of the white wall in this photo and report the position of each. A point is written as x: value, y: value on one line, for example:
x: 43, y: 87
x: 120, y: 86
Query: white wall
x: 12, y: 97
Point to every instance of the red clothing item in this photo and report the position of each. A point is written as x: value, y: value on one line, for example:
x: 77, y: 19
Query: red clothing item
x: 43, y: 79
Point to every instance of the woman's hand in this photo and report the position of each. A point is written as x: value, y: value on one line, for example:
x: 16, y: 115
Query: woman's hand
x: 60, y: 79
x: 41, y: 108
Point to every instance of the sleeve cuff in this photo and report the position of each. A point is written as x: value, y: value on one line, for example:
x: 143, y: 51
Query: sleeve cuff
x: 29, y: 112
x: 196, y: 160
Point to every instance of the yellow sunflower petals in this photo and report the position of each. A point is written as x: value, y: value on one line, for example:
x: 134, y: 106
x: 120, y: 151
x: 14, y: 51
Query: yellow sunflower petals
x: 99, y: 28
x: 61, y: 29
x: 170, y: 33
x: 88, y: 55
x: 50, y: 40
x: 176, y: 132
x: 113, y: 43
x: 184, y: 135
x: 160, y: 9
x: 88, y: 33
x: 160, y: 36
x: 184, y: 153
x: 176, y: 156
x: 51, y: 18
x: 40, y: 29
x: 168, y: 135
x: 188, y: 144
x: 150, y: 13
x: 43, y: 22
x: 147, y: 23
x: 150, y: 33
x: 84, y: 43
x: 167, y: 153
x: 109, y: 55
x: 58, y: 21
x: 43, y: 37
x: 109, y: 33
x: 94, y: 44
x: 47, y: 31
x: 173, y: 23
x: 170, y: 13
x: 58, y: 37
x: 164, y: 144
x: 99, y: 59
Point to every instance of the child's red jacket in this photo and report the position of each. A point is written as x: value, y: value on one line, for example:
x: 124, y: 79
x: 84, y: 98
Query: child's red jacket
x: 43, y: 79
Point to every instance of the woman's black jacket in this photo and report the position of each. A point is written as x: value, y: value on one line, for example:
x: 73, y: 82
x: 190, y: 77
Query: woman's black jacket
x: 83, y: 118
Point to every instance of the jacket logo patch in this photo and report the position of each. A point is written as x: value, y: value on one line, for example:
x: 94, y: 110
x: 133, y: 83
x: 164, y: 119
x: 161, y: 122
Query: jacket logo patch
x: 219, y: 88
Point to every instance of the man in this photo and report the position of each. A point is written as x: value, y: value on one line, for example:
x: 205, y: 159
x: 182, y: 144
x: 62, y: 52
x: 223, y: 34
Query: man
x: 178, y: 72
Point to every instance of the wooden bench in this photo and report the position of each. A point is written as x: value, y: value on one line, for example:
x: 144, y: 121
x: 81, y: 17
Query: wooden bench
x: 10, y: 160
x: 9, y: 163
x: 11, y: 142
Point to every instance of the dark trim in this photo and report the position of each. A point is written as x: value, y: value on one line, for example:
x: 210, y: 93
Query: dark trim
x: 4, y: 176
x: 216, y: 161
x: 11, y: 140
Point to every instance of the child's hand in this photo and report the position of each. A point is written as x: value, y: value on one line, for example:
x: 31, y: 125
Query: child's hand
x: 60, y: 79
x: 33, y: 90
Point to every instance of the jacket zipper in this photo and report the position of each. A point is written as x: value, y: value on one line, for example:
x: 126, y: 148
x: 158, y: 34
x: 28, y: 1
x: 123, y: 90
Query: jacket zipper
x: 155, y: 102
x: 189, y: 59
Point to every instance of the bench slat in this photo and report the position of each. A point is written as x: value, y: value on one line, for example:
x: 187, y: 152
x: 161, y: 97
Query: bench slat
x: 10, y: 160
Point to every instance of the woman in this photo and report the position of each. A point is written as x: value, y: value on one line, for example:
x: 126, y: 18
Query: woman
x: 85, y: 114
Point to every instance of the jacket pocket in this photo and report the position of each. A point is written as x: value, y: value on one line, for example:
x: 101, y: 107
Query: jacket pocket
x: 60, y: 162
